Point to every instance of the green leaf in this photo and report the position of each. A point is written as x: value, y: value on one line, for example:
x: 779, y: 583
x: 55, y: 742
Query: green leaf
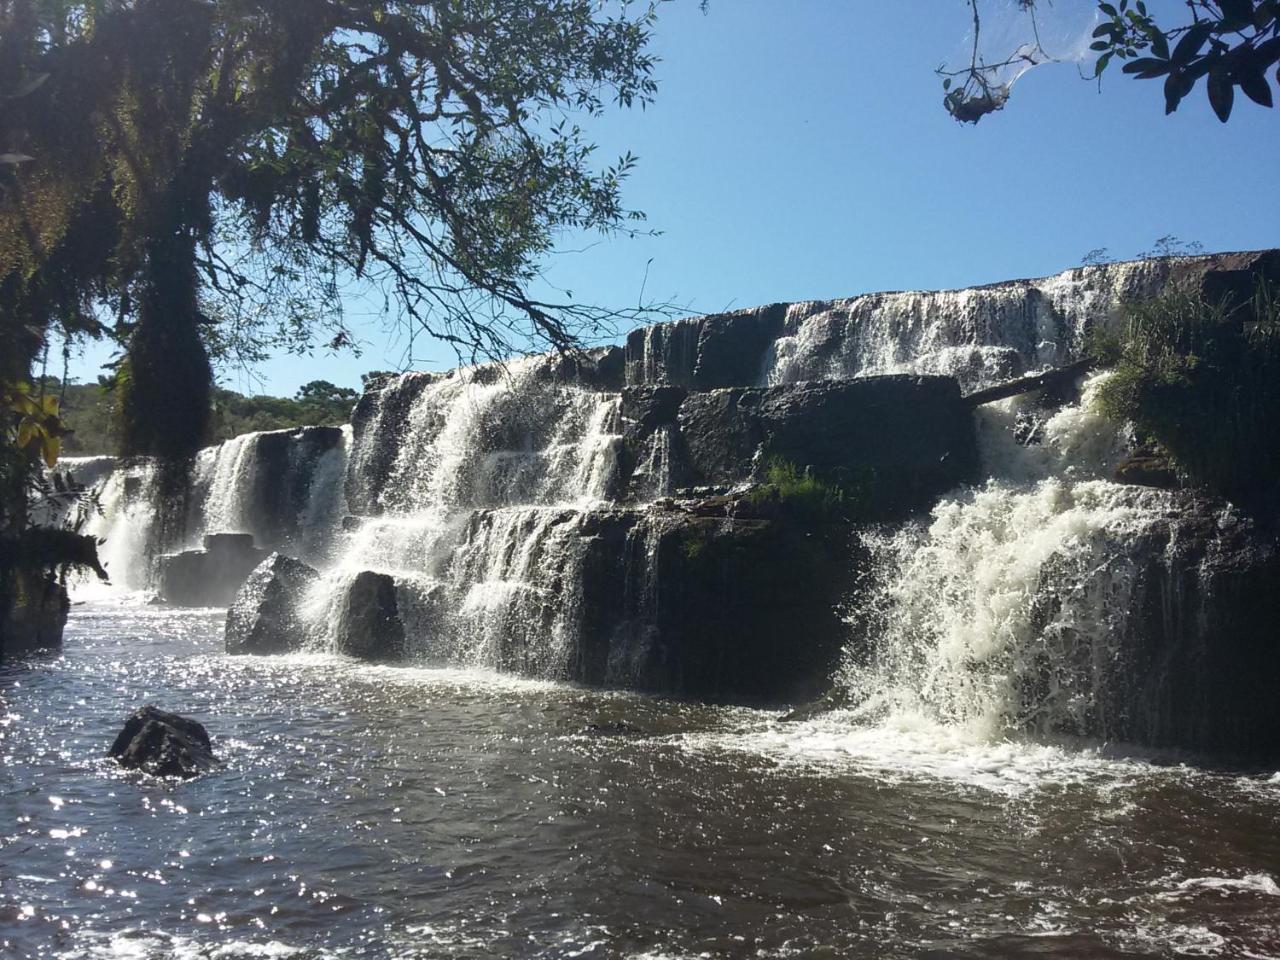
x: 1191, y: 42
x: 1176, y: 86
x: 1146, y: 67
x: 1108, y: 9
x: 1221, y: 92
x: 1236, y: 12
x: 1254, y: 85
x: 1159, y: 43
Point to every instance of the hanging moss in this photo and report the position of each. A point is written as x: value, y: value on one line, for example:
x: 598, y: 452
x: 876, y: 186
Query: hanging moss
x: 165, y: 385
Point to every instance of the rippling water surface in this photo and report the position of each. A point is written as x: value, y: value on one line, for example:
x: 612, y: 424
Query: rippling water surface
x: 418, y: 813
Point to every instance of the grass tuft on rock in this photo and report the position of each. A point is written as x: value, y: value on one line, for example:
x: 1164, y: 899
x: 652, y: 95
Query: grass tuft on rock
x: 1201, y: 381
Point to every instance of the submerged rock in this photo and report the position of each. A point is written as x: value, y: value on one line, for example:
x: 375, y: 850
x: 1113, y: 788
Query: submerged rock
x: 163, y: 745
x: 264, y: 617
x: 837, y: 698
x: 369, y: 625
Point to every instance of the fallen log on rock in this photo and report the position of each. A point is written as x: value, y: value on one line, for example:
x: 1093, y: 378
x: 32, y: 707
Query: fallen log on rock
x: 1062, y: 376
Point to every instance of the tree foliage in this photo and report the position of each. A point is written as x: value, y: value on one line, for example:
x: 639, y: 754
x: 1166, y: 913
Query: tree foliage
x: 207, y: 174
x: 89, y: 413
x: 1230, y: 44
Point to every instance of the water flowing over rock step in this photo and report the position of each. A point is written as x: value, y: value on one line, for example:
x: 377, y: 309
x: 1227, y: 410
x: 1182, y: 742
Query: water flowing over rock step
x: 981, y: 335
x: 723, y: 600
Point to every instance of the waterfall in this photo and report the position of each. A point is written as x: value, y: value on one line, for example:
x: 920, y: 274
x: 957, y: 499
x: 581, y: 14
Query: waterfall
x: 580, y: 518
x: 125, y: 520
x: 474, y: 487
x: 1011, y: 608
x: 981, y: 335
x: 227, y: 475
x: 283, y: 487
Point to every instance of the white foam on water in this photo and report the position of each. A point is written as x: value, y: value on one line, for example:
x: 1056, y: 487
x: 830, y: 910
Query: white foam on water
x: 906, y: 748
x: 1259, y: 884
x: 139, y: 944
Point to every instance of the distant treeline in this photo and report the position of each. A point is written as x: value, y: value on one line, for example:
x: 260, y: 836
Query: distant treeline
x: 89, y: 410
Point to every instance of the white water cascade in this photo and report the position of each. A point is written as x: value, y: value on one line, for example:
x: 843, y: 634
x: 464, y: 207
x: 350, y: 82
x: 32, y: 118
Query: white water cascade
x: 478, y: 483
x: 1006, y: 612
x: 980, y: 335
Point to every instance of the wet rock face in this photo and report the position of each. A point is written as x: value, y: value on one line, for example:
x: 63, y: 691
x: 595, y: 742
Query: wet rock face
x: 1147, y: 471
x: 705, y: 353
x: 287, y: 461
x: 1204, y: 672
x: 163, y: 745
x: 33, y: 615
x: 209, y: 577
x: 722, y: 600
x: 909, y: 438
x: 264, y: 618
x: 369, y: 625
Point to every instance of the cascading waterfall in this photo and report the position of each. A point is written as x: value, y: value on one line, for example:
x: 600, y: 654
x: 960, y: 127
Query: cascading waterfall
x: 283, y: 487
x: 227, y: 474
x: 124, y: 521
x: 478, y: 504
x: 1008, y: 611
x: 520, y: 512
x: 981, y: 335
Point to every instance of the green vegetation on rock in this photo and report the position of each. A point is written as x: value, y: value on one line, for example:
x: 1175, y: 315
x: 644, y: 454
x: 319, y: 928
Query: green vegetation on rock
x: 1201, y: 380
x: 806, y: 496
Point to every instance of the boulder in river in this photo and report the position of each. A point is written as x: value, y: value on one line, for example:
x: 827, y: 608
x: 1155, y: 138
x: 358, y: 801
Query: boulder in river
x: 209, y: 577
x: 163, y: 745
x: 264, y: 617
x: 369, y: 625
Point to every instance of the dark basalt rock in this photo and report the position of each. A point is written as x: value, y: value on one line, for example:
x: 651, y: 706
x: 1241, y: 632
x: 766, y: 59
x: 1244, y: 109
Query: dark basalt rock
x: 911, y: 438
x: 369, y: 625
x: 602, y: 368
x: 1201, y: 669
x: 723, y: 434
x: 647, y: 408
x: 32, y: 615
x: 163, y: 745
x: 286, y: 464
x: 264, y: 618
x: 209, y: 577
x: 705, y: 353
x: 725, y: 601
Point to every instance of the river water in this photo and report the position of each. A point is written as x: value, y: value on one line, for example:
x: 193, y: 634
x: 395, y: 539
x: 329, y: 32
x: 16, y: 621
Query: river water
x: 410, y: 812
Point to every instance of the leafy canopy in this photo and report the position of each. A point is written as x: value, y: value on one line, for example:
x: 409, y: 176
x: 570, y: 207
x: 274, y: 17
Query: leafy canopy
x: 226, y: 167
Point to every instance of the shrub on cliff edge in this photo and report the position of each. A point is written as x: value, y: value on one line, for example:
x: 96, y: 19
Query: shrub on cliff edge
x: 1202, y: 381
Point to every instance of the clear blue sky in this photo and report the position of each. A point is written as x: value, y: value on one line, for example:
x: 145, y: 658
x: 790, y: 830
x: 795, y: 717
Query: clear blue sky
x: 798, y: 149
